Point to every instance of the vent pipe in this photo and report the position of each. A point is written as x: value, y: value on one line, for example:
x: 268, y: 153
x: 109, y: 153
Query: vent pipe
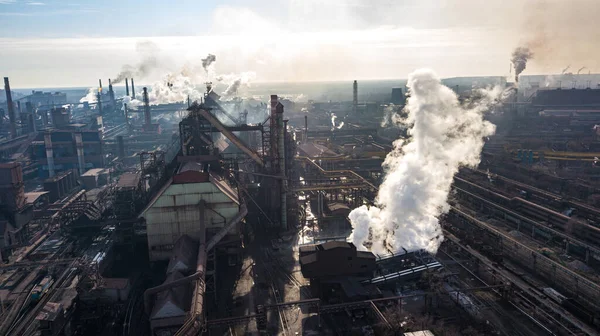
x: 11, y: 109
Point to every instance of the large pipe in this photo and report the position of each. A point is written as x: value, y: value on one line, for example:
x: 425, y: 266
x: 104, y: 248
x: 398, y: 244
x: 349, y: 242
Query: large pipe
x: 147, y: 116
x: 11, y: 109
x: 132, y: 89
x: 127, y: 86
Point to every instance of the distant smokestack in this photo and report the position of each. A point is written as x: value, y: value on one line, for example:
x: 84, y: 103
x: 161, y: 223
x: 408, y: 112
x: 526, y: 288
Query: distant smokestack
x: 132, y: 90
x: 355, y: 97
x: 111, y: 94
x: 99, y: 101
x: 126, y: 86
x: 147, y: 116
x: 305, y: 128
x: 126, y: 112
x: 11, y: 109
x: 100, y: 84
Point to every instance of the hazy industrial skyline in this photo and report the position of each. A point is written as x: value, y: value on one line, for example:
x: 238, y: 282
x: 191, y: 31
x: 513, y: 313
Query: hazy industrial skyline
x: 62, y: 43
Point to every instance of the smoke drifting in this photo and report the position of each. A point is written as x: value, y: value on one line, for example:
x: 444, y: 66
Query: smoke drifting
x: 419, y: 171
x: 149, y: 52
x: 519, y: 59
x: 90, y: 97
x: 233, y: 88
x: 206, y: 62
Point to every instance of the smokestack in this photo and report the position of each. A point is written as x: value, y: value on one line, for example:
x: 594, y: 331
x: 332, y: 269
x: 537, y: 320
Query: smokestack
x: 30, y: 117
x: 355, y: 97
x: 305, y: 128
x: 11, y: 109
x: 100, y: 84
x: 126, y: 86
x: 132, y: 90
x: 111, y: 94
x: 126, y: 112
x: 147, y: 115
x: 99, y: 98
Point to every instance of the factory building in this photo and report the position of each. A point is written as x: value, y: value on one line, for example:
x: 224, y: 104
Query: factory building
x: 46, y: 99
x: 57, y: 150
x: 193, y: 201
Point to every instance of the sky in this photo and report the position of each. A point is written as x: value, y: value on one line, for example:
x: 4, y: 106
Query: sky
x: 60, y: 43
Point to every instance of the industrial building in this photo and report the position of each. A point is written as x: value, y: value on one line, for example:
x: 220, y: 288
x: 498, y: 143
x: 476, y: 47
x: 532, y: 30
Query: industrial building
x: 218, y: 216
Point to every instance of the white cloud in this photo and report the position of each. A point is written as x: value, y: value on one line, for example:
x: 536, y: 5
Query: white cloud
x: 36, y: 4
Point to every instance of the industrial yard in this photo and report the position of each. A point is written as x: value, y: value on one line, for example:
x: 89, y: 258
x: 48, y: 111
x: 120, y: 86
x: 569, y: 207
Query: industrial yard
x: 119, y: 222
x: 336, y: 168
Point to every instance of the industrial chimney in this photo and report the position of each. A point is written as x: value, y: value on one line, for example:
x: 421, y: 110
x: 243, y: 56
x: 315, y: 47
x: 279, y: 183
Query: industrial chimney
x: 127, y: 87
x: 111, y: 94
x: 147, y: 116
x: 132, y: 90
x: 355, y: 97
x: 11, y: 109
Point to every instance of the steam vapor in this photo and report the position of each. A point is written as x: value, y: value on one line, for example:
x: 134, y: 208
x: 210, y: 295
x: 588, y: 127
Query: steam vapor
x: 206, y: 62
x: 90, y: 97
x: 419, y: 171
x: 520, y: 56
x: 233, y: 88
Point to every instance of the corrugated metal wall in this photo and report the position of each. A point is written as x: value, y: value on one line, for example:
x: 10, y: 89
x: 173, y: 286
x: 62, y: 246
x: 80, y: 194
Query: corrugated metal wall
x: 177, y: 212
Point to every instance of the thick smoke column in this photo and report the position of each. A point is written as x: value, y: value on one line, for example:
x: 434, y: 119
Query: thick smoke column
x: 519, y: 60
x: 419, y: 171
x: 206, y: 62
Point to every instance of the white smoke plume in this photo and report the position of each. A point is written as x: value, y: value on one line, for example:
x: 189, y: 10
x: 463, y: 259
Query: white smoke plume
x: 90, y: 97
x: 340, y: 125
x: 132, y: 104
x: 233, y: 88
x: 333, y: 117
x: 419, y: 172
x: 236, y: 82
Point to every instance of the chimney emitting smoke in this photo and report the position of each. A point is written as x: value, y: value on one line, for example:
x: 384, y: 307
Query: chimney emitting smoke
x: 147, y: 116
x: 132, y: 89
x: 127, y: 87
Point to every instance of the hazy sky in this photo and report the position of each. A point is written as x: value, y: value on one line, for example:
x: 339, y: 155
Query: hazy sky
x: 50, y: 43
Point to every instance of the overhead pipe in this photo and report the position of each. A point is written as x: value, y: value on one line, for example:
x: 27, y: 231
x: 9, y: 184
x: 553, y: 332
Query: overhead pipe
x: 217, y: 237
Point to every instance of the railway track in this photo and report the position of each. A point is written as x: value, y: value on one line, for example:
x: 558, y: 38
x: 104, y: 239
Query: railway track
x: 546, y: 308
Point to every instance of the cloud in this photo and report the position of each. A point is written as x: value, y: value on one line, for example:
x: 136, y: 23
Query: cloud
x: 6, y: 2
x: 36, y: 4
x: 60, y: 12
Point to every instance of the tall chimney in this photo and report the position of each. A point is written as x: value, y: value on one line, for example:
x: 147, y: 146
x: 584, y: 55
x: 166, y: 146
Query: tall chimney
x: 127, y: 87
x: 132, y: 90
x: 147, y: 115
x: 305, y: 128
x: 126, y: 112
x: 111, y: 94
x: 99, y: 98
x: 11, y: 109
x: 355, y: 97
x: 100, y: 84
